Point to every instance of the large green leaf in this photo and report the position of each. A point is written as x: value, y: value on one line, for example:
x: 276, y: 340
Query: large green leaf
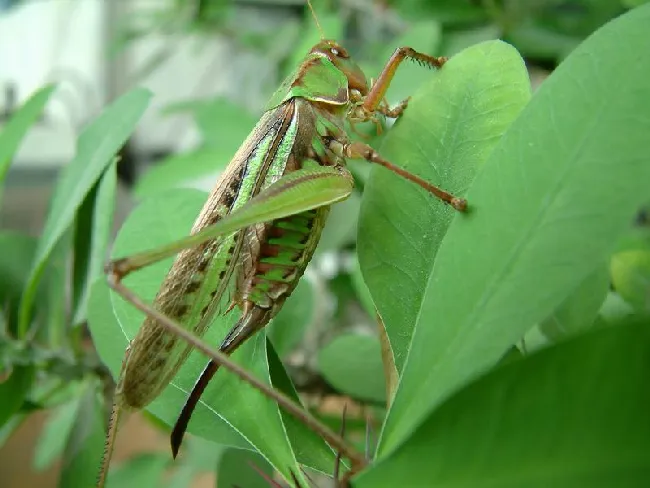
x: 573, y: 415
x: 549, y: 205
x: 92, y: 233
x: 230, y: 412
x: 14, y: 131
x: 238, y: 467
x: 95, y: 150
x: 449, y: 129
x: 311, y: 450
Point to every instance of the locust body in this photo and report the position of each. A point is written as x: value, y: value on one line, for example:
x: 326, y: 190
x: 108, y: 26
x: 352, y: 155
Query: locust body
x: 266, y: 260
x: 257, y: 266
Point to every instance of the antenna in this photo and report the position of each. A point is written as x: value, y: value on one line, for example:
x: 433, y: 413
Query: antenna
x: 313, y: 14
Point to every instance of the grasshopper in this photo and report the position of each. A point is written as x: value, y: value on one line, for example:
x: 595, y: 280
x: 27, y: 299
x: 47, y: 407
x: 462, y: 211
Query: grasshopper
x: 258, y: 230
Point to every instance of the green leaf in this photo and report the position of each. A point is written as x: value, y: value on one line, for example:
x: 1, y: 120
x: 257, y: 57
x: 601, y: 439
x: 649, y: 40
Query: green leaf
x: 17, y: 253
x: 236, y: 469
x: 95, y: 150
x: 532, y: 340
x: 341, y: 226
x: 91, y: 239
x: 13, y: 390
x: 579, y: 310
x: 16, y: 256
x: 11, y: 426
x: 230, y: 412
x: 203, y: 455
x: 287, y: 329
x: 631, y: 277
x: 140, y: 471
x: 572, y: 415
x: 309, y: 447
x: 85, y: 444
x: 54, y: 435
x: 224, y: 125
x: 51, y: 312
x: 361, y: 289
x: 615, y: 309
x: 352, y: 364
x: 449, y: 129
x: 14, y: 131
x: 181, y: 170
x: 549, y: 205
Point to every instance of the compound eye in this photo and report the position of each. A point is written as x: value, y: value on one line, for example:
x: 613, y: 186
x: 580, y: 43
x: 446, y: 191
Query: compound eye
x: 339, y: 52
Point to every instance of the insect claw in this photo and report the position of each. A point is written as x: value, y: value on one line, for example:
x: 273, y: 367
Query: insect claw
x: 459, y: 204
x: 396, y: 111
x: 232, y: 305
x: 116, y: 269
